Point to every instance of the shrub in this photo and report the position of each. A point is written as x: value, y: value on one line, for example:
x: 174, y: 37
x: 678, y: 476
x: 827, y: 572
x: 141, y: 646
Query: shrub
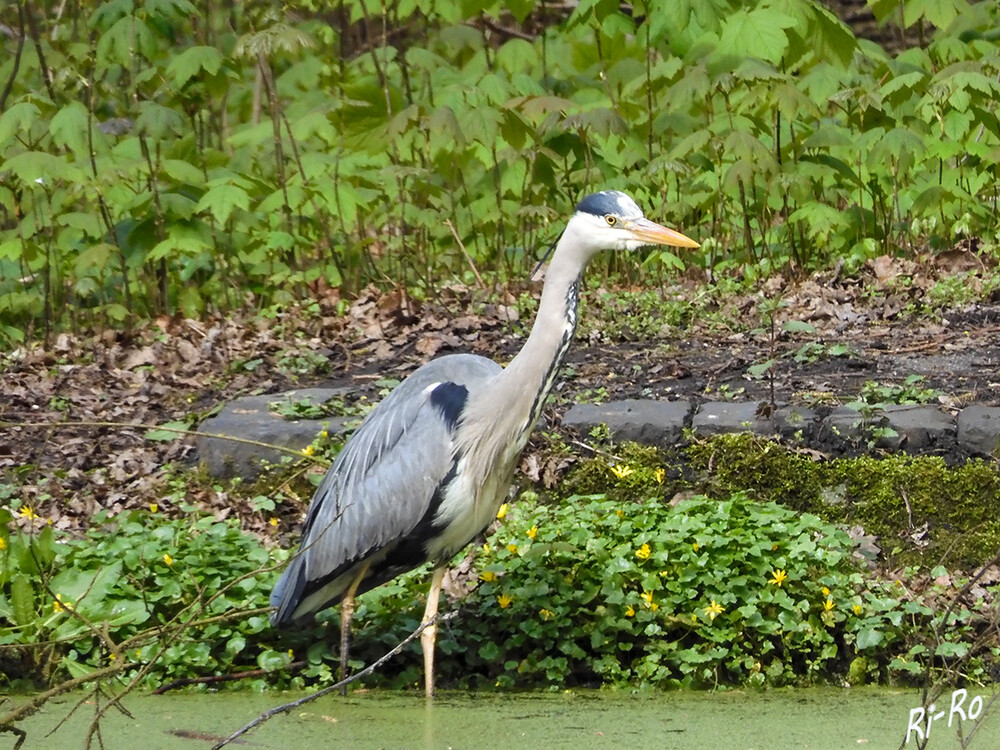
x: 592, y: 590
x: 170, y: 591
x: 154, y: 183
x: 708, y: 592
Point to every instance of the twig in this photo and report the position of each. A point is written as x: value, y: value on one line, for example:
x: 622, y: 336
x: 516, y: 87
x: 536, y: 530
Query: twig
x: 58, y: 18
x: 213, y: 678
x: 936, y: 342
x: 17, y: 59
x: 177, y: 430
x: 28, y: 708
x: 504, y: 30
x: 286, y: 707
x: 19, y: 734
x: 909, y: 510
x: 595, y: 450
x: 465, y: 252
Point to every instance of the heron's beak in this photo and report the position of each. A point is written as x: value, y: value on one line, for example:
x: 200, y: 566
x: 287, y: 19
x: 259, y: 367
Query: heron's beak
x: 651, y: 232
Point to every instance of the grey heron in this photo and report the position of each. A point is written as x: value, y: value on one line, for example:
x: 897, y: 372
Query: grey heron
x: 428, y: 468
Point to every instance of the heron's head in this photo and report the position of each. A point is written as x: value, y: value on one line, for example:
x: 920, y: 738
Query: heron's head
x: 610, y: 220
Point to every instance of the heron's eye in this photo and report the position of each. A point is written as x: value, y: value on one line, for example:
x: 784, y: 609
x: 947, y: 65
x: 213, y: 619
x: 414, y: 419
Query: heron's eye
x: 611, y: 220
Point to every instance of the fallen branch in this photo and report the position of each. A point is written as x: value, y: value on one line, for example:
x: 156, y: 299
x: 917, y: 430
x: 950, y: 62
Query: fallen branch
x: 29, y: 707
x: 286, y: 707
x: 213, y: 678
x: 176, y: 430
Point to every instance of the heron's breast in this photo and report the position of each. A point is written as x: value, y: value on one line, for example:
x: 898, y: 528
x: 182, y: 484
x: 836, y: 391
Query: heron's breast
x: 470, y: 504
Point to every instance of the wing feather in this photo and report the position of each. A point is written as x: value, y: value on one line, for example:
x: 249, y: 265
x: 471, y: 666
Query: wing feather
x: 382, y: 482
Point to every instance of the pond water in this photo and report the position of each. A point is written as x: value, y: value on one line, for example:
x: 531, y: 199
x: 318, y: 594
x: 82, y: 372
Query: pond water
x: 776, y: 719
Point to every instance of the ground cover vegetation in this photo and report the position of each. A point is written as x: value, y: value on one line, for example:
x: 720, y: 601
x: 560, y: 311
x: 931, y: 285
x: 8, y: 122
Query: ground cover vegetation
x: 185, y: 163
x: 661, y: 574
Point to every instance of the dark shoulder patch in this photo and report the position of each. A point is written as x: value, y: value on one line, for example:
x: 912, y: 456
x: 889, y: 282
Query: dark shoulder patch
x: 450, y: 398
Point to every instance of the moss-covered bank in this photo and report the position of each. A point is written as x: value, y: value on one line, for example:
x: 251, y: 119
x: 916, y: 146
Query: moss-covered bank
x: 922, y: 510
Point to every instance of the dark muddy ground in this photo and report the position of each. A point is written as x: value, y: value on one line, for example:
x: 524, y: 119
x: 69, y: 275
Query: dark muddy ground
x: 958, y: 356
x: 75, y: 413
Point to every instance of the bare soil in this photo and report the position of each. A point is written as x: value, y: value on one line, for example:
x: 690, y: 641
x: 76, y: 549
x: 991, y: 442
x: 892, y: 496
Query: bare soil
x: 74, y: 414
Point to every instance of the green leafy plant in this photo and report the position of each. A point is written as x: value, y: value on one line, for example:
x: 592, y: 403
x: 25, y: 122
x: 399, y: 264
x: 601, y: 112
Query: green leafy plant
x: 814, y: 351
x: 913, y: 390
x: 772, y: 331
x: 164, y: 595
x: 306, y: 408
x: 708, y: 592
x: 617, y: 588
x: 212, y: 163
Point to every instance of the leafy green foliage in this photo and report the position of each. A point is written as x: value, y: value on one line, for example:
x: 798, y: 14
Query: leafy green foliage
x: 198, y: 161
x: 911, y: 391
x: 708, y: 592
x: 305, y: 408
x: 628, y: 589
x: 168, y: 592
x: 620, y: 588
x: 813, y: 351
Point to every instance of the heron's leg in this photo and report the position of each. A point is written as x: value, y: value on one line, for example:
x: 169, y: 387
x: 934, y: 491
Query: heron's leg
x: 429, y: 635
x: 346, y: 613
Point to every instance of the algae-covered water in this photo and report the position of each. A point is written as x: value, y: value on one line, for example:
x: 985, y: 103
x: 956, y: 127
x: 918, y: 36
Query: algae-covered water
x: 772, y: 720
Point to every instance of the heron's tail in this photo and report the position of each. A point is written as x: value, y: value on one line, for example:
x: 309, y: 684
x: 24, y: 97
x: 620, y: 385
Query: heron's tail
x: 287, y: 594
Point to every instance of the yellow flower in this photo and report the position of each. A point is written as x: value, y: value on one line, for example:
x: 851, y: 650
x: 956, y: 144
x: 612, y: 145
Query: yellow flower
x: 112, y: 657
x: 546, y: 613
x: 630, y: 611
x: 486, y: 549
x: 620, y: 513
x: 308, y: 450
x: 695, y: 546
x: 648, y: 597
x: 659, y: 475
x: 504, y: 601
x: 153, y: 507
x: 28, y: 512
x: 488, y: 575
x: 501, y: 511
x: 291, y: 654
x: 713, y: 610
x: 857, y: 609
x: 3, y: 543
x: 532, y: 532
x: 168, y: 559
x: 324, y: 434
x: 828, y: 605
x: 643, y: 552
x: 826, y: 591
x: 273, y: 521
x: 620, y: 471
x: 59, y: 605
x: 512, y: 548
x: 778, y: 577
